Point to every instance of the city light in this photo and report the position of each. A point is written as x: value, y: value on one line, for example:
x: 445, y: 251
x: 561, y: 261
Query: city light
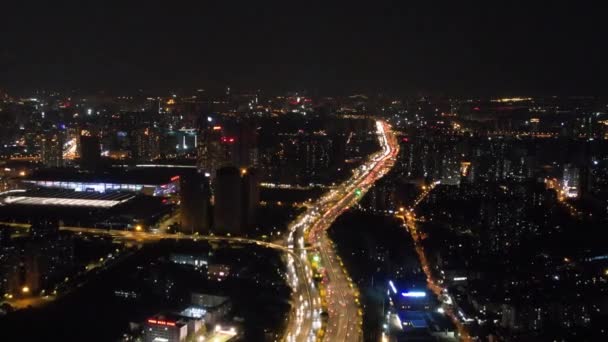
x: 25, y: 290
x: 414, y: 294
x: 390, y: 283
x: 49, y: 201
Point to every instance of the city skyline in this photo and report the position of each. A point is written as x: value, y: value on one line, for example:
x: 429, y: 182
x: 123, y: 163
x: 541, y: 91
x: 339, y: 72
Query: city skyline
x: 303, y: 172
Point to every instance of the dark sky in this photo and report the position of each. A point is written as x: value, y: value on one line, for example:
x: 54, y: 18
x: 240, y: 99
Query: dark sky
x: 501, y: 47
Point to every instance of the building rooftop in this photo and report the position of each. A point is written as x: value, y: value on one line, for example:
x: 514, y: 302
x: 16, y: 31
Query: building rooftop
x: 58, y: 197
x: 193, y: 312
x: 149, y: 176
x: 414, y: 319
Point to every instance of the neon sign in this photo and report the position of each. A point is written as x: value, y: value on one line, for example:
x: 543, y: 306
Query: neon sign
x: 160, y: 322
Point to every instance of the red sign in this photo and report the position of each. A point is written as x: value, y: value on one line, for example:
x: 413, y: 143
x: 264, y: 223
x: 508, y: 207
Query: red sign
x: 159, y: 322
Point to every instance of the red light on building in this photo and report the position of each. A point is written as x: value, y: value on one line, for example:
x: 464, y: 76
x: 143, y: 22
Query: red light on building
x: 405, y: 139
x: 476, y: 108
x: 174, y: 178
x: 228, y: 140
x: 159, y: 322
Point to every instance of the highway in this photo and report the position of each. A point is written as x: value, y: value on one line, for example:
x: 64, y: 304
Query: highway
x: 344, y: 315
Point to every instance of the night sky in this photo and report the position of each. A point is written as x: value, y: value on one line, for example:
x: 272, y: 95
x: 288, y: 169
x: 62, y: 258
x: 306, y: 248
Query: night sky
x: 496, y: 48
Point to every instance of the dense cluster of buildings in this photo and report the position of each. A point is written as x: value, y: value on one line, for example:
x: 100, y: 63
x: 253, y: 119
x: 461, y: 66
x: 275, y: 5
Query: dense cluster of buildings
x: 36, y: 262
x: 519, y: 201
x: 204, y: 153
x: 512, y: 226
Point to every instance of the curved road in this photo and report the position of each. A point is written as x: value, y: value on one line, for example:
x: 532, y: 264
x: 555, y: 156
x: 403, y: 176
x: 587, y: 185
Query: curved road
x: 344, y: 321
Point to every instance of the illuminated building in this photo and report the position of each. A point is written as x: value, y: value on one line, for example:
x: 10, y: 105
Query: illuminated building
x: 186, y: 140
x: 189, y: 259
x: 145, y: 144
x: 153, y: 182
x: 51, y: 149
x: 64, y: 198
x: 217, y: 308
x: 218, y: 272
x: 233, y: 145
x: 216, y: 150
x: 166, y: 329
x: 571, y: 181
x: 179, y: 326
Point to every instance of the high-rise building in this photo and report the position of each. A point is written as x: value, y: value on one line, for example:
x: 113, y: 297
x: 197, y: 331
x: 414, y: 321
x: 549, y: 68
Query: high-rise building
x: 195, y: 194
x: 145, y: 144
x: 51, y: 149
x: 90, y: 152
x: 218, y: 149
x: 236, y: 199
x: 186, y: 140
x: 228, y: 215
x: 251, y: 195
x: 571, y: 181
x: 221, y: 146
x: 247, y: 146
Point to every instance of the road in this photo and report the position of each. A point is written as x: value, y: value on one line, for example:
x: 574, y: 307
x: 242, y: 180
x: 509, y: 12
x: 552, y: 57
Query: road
x: 433, y: 283
x: 296, y: 270
x: 344, y: 320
